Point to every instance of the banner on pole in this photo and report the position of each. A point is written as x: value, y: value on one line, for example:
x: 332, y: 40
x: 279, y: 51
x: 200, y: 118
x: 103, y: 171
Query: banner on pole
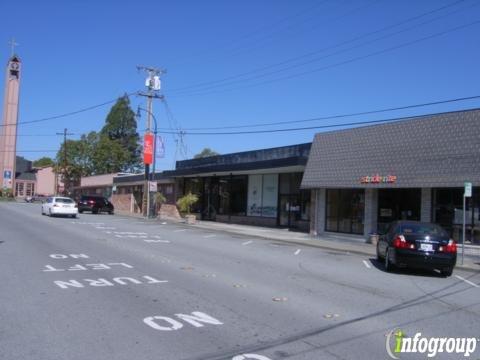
x: 159, y: 148
x: 148, y: 149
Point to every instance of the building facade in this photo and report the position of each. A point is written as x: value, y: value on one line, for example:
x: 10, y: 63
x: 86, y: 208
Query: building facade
x: 414, y: 169
x: 259, y: 187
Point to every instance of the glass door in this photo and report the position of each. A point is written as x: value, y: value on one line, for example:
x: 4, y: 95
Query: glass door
x: 289, y: 210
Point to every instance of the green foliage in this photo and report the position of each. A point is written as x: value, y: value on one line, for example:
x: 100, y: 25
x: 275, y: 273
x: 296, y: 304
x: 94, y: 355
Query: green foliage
x: 185, y: 202
x: 160, y: 198
x: 6, y: 195
x: 206, y: 152
x: 116, y: 148
x: 43, y: 162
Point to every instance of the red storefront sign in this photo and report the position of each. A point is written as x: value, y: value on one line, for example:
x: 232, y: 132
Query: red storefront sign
x: 148, y: 149
x: 377, y: 179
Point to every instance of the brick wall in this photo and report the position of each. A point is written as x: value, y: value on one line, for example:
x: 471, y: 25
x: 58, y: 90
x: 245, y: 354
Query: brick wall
x: 122, y: 202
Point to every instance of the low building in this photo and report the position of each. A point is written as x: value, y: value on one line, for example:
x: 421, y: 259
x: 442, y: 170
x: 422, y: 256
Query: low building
x: 258, y: 187
x: 413, y: 169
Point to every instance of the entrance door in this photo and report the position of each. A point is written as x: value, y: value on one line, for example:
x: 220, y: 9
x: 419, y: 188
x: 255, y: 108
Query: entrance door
x: 212, y: 199
x: 289, y: 210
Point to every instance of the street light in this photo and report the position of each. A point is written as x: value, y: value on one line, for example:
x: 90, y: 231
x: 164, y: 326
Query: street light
x: 152, y: 174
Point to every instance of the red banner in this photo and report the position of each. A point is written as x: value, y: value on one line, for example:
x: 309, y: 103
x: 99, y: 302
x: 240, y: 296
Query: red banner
x: 148, y: 149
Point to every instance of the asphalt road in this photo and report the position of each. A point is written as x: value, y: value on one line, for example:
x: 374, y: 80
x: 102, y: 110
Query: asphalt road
x: 109, y: 287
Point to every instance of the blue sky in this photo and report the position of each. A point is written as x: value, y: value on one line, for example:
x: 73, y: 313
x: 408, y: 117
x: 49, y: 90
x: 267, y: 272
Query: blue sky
x: 280, y: 60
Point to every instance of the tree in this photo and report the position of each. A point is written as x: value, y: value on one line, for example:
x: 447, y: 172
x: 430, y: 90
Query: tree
x: 109, y: 156
x: 121, y: 127
x: 206, y: 152
x: 43, y: 162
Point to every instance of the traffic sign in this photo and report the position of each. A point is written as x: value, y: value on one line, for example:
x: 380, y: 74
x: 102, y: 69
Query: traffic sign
x: 468, y: 189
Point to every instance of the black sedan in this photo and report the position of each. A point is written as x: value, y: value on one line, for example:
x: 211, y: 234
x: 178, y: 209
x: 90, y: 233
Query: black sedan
x: 417, y: 245
x: 95, y: 204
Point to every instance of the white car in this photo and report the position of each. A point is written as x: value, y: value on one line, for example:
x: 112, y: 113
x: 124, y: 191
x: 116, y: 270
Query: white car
x: 60, y: 206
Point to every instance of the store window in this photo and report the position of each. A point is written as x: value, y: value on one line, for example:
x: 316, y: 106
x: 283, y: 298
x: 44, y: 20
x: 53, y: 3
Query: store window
x: 448, y: 213
x: 263, y: 195
x: 345, y: 210
x: 398, y: 204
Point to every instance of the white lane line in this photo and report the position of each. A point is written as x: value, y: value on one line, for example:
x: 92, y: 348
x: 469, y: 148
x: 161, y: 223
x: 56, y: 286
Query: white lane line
x: 467, y: 281
x: 297, y: 252
x: 157, y: 241
x: 247, y: 242
x: 209, y: 236
x: 180, y: 230
x: 367, y: 264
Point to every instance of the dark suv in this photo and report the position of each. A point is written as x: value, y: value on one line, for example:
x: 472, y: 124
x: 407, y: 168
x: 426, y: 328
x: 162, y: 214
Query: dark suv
x: 95, y: 204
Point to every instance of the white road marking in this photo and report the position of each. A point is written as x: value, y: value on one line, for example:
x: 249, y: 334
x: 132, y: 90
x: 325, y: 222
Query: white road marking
x: 209, y: 236
x: 247, y: 242
x: 180, y: 230
x: 467, y: 281
x: 157, y: 241
x: 129, y: 233
x: 196, y: 319
x: 367, y: 264
x: 250, y: 356
x: 297, y: 252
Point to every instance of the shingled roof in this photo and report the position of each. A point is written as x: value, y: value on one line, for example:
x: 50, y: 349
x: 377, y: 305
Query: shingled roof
x: 440, y: 150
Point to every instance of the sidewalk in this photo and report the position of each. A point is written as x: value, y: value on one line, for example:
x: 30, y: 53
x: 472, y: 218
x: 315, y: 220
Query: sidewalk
x: 336, y: 242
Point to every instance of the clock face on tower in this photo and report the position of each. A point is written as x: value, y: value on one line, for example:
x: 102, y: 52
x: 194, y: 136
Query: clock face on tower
x: 14, y: 68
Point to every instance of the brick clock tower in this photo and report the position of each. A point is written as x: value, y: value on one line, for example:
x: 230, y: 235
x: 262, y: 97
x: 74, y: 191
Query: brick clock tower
x: 8, y: 132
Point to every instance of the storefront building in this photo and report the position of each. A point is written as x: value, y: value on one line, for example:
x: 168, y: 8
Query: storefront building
x: 413, y: 169
x: 260, y: 187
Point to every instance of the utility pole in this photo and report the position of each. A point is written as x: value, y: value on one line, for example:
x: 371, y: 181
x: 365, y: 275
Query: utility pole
x: 153, y: 86
x: 65, y: 162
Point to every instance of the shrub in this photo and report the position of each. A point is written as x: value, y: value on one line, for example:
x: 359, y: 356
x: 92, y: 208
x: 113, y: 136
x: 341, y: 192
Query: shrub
x: 185, y: 202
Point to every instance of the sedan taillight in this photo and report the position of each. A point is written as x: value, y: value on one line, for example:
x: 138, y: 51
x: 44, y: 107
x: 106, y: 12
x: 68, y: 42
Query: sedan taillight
x: 451, y: 247
x: 400, y: 243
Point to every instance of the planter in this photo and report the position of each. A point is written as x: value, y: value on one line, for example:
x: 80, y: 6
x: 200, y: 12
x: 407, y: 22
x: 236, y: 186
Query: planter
x: 191, y: 219
x: 373, y: 239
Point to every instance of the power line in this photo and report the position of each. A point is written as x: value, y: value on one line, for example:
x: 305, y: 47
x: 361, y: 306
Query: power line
x: 368, y: 122
x: 204, y: 84
x: 66, y: 114
x: 338, y: 116
x: 348, y: 61
x: 260, y: 30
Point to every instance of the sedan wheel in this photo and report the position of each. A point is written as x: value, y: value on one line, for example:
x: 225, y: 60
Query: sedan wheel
x: 447, y: 272
x: 388, y: 265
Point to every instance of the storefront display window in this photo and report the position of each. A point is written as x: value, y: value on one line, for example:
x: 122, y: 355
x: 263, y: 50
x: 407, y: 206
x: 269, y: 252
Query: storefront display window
x: 263, y: 195
x: 448, y: 213
x: 398, y: 204
x: 345, y: 210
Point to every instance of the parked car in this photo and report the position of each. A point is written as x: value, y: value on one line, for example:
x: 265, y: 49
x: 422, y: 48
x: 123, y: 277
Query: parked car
x: 59, y: 206
x: 95, y: 204
x: 417, y: 245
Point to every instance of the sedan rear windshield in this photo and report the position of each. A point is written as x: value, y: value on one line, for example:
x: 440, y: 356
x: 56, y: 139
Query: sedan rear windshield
x: 64, y: 200
x: 423, y: 229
